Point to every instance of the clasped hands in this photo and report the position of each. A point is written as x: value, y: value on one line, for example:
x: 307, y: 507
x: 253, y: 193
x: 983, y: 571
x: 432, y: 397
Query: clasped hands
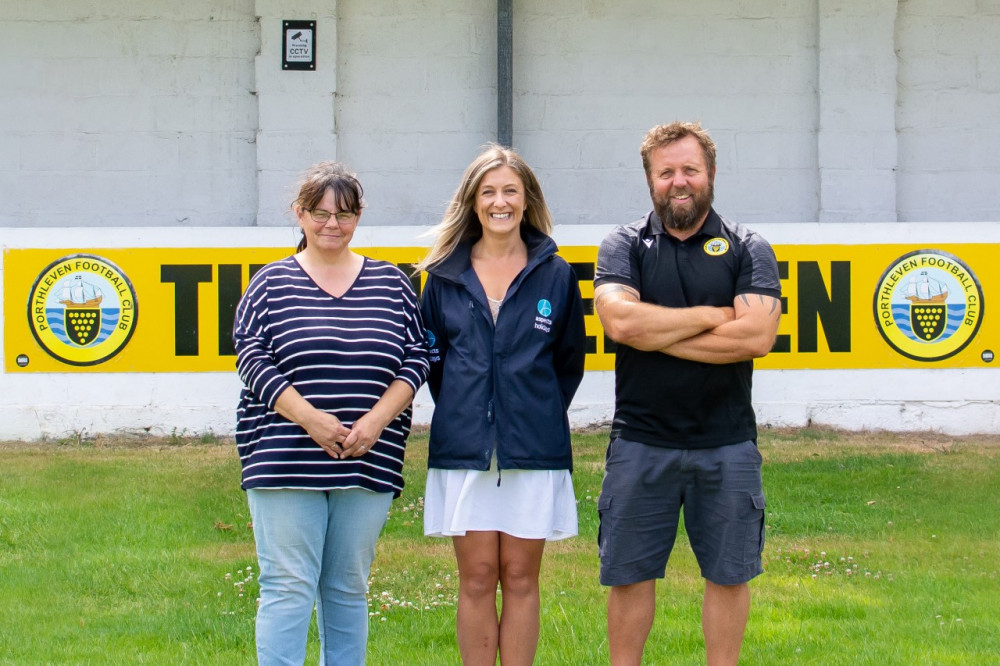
x: 341, y: 442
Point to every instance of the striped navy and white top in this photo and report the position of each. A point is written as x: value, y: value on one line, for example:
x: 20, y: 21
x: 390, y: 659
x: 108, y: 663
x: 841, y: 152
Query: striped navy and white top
x: 341, y: 354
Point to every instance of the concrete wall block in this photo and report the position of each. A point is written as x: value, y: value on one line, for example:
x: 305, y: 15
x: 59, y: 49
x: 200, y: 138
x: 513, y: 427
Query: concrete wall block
x: 642, y: 111
x: 611, y: 149
x: 163, y: 37
x: 161, y: 75
x: 222, y: 150
x: 675, y: 37
x: 968, y: 34
x: 863, y: 151
x: 630, y: 202
x: 776, y: 150
x: 58, y: 151
x: 753, y: 196
x: 451, y: 152
x: 773, y: 35
x: 124, y: 152
x: 575, y: 34
x: 301, y: 112
x: 915, y: 35
x: 460, y: 74
x: 10, y: 156
x: 553, y: 150
x: 57, y: 39
x: 204, y: 113
x: 269, y: 78
x: 920, y: 198
x: 915, y: 111
x: 568, y: 191
x: 987, y: 75
x: 426, y: 152
x: 387, y: 75
x: 215, y: 10
x: 417, y: 113
x: 397, y: 38
x: 754, y: 9
x: 57, y: 79
x: 949, y: 148
x: 99, y: 113
x: 968, y: 109
x: 409, y: 197
x: 534, y: 35
x: 935, y: 9
x: 867, y: 194
x: 288, y: 151
x: 577, y: 74
x: 988, y: 7
x: 278, y: 189
x: 789, y: 112
x: 846, y: 110
x: 934, y: 72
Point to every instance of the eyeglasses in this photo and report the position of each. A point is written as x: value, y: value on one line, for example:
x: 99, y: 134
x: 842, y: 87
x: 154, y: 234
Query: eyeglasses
x: 343, y: 217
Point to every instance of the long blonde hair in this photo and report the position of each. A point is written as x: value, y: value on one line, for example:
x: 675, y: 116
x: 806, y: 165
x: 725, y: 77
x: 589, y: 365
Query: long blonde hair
x: 460, y: 220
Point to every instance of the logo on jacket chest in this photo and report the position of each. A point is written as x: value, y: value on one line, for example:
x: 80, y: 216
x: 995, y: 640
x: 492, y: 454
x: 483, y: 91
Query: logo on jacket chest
x: 542, y: 321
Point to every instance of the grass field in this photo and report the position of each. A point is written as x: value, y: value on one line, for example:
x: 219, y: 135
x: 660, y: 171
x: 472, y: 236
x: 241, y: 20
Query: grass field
x: 882, y: 549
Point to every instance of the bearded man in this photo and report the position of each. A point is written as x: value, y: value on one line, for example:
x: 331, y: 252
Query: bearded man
x: 691, y: 299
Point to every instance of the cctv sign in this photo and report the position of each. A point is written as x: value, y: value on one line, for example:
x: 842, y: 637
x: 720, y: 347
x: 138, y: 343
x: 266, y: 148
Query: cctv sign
x: 298, y: 45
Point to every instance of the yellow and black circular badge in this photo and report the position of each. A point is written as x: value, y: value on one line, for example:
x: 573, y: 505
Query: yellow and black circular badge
x: 82, y: 309
x: 716, y: 246
x: 928, y: 305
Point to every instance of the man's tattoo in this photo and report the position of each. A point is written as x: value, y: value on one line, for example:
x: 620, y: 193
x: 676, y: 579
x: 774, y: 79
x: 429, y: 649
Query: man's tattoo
x: 763, y: 300
x: 624, y: 293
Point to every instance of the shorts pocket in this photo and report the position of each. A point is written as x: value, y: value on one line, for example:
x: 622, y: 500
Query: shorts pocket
x: 603, y: 514
x: 759, y: 504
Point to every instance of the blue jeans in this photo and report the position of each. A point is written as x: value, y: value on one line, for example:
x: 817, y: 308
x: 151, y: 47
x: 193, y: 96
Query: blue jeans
x: 315, y: 548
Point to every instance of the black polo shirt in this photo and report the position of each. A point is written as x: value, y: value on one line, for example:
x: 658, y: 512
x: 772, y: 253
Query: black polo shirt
x: 672, y: 402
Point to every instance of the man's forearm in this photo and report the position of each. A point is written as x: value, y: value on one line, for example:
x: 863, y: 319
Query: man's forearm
x: 650, y: 327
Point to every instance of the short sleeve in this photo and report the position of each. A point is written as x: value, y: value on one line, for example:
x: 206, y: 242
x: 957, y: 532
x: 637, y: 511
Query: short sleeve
x: 759, y: 269
x: 616, y: 260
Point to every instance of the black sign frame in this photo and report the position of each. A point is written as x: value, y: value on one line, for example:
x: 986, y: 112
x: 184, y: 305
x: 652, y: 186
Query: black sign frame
x: 293, y: 32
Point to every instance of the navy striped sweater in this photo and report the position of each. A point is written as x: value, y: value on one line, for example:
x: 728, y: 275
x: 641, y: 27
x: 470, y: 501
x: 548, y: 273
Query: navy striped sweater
x: 340, y: 354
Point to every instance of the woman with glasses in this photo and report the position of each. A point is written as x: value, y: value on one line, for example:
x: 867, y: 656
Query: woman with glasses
x: 507, y: 349
x: 331, y: 350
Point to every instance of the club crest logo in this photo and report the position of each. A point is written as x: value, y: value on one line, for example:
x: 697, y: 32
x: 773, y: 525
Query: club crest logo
x: 928, y: 305
x: 716, y: 246
x: 82, y: 309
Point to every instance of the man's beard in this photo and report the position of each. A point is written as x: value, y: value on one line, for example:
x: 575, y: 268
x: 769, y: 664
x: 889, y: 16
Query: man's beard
x: 688, y: 217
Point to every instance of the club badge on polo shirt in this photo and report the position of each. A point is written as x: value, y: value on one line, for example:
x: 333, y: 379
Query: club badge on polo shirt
x: 716, y: 246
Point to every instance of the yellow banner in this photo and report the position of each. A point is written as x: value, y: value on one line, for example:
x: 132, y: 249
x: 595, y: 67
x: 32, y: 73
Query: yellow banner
x: 171, y: 309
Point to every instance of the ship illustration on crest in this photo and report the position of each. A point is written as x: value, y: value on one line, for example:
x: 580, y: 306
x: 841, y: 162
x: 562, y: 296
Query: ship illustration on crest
x: 79, y: 294
x: 924, y: 289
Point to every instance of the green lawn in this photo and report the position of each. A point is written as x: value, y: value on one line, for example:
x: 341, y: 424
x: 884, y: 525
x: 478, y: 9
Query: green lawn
x: 882, y: 549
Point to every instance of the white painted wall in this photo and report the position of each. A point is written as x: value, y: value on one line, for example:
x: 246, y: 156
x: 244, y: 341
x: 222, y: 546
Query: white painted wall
x: 176, y: 113
x: 55, y: 405
x: 948, y: 111
x: 588, y: 84
x: 118, y: 113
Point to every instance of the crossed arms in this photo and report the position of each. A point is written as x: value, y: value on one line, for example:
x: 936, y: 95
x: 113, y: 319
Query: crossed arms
x: 701, y: 333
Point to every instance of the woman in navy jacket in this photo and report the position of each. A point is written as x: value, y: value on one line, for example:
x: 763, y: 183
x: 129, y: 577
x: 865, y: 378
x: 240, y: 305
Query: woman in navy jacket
x: 506, y: 332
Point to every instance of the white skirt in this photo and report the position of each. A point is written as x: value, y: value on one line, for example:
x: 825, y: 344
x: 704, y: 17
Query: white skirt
x: 528, y: 503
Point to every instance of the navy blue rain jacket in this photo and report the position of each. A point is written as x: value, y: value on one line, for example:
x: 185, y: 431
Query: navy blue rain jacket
x: 506, y: 387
